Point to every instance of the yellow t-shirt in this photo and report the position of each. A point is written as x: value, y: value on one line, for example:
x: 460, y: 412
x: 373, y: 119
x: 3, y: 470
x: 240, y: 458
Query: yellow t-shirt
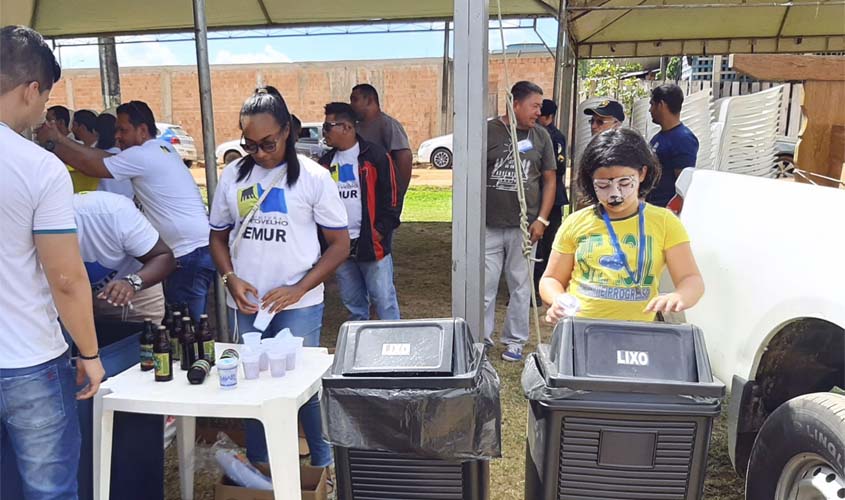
x: 603, y: 287
x: 82, y: 182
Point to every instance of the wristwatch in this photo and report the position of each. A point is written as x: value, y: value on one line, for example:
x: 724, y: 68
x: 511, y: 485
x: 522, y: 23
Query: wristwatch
x: 50, y: 146
x: 136, y: 281
x: 543, y: 221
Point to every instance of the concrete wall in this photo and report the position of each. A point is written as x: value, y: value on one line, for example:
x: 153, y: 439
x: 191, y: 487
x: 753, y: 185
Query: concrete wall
x: 409, y: 90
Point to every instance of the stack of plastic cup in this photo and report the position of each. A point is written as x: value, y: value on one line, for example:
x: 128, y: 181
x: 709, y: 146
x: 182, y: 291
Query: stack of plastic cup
x: 297, y: 343
x: 251, y: 360
x: 277, y: 356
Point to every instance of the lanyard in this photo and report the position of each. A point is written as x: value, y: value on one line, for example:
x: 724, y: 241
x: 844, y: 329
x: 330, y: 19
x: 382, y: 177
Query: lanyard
x: 621, y: 255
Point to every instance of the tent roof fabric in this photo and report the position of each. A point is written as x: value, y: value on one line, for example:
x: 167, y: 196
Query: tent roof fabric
x: 599, y: 28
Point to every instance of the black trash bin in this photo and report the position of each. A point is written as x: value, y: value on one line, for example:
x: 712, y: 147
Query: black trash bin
x: 620, y: 410
x: 412, y: 410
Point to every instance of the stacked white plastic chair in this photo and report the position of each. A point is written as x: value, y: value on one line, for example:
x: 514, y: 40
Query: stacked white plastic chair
x: 582, y: 128
x: 697, y: 115
x: 641, y: 119
x: 749, y: 126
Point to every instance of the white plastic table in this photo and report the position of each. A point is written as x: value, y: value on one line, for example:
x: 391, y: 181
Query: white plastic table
x: 273, y: 401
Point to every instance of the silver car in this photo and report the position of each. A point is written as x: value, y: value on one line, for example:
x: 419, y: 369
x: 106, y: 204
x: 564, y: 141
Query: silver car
x: 310, y: 143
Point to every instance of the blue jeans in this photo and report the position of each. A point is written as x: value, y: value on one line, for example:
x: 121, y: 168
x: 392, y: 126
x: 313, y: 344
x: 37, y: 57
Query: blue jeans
x: 365, y: 283
x: 191, y: 280
x: 305, y: 323
x: 38, y: 412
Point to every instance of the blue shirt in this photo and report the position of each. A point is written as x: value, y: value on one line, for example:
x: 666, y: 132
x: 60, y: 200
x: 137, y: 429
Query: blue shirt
x: 676, y: 148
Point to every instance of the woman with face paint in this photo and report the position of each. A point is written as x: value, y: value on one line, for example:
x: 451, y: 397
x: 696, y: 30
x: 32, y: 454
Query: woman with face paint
x: 611, y: 255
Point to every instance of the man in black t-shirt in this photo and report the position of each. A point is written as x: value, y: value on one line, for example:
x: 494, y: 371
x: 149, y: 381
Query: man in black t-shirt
x: 544, y: 246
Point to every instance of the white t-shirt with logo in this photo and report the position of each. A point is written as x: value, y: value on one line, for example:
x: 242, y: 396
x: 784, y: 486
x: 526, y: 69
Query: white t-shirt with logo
x: 344, y: 169
x: 123, y: 187
x: 112, y: 232
x: 280, y: 244
x: 36, y: 197
x: 167, y: 191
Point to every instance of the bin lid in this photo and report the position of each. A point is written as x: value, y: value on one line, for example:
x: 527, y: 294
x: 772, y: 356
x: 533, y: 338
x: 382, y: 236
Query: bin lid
x: 627, y: 356
x: 409, y: 348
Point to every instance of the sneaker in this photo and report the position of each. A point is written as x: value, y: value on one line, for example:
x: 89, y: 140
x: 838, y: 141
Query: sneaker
x: 513, y: 353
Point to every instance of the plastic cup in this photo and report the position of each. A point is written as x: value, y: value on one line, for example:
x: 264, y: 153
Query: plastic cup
x: 227, y: 370
x: 290, y: 354
x: 278, y: 361
x: 297, y: 343
x: 569, y: 303
x: 266, y: 345
x: 251, y: 360
x: 252, y: 339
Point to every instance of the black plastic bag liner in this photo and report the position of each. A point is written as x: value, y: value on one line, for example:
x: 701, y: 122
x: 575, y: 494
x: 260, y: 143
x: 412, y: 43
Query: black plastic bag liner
x: 534, y: 384
x: 447, y: 417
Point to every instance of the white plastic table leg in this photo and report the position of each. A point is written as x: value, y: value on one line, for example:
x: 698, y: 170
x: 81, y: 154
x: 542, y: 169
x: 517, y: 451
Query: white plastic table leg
x: 185, y: 438
x: 102, y: 453
x: 281, y: 431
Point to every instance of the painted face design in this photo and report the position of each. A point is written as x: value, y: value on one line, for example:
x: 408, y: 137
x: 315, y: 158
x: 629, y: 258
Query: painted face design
x: 615, y: 191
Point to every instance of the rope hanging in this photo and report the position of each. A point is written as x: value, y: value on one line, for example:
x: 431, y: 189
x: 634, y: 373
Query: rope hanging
x: 527, y: 246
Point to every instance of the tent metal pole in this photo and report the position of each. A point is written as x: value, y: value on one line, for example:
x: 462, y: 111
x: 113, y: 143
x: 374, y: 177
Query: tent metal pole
x: 208, y: 145
x: 560, y: 56
x: 109, y: 73
x: 444, y: 85
x: 469, y: 171
x: 573, y: 172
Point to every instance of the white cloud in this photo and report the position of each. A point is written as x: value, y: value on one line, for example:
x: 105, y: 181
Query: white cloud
x: 268, y: 55
x: 146, y: 54
x: 82, y: 56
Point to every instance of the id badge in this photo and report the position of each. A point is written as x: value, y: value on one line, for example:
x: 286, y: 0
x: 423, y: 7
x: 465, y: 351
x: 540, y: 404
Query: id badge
x: 524, y: 145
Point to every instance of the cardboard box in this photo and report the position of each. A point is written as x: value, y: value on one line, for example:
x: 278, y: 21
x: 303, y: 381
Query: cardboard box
x: 312, y: 479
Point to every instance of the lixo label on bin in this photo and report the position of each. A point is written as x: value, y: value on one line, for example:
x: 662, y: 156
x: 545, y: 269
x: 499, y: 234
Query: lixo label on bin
x: 635, y: 358
x: 396, y: 349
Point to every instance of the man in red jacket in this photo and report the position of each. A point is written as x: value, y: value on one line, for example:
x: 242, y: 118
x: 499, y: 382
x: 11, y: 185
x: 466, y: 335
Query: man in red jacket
x: 366, y: 179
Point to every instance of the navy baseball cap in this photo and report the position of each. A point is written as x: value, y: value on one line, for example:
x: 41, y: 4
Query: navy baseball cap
x: 549, y: 108
x: 608, y: 107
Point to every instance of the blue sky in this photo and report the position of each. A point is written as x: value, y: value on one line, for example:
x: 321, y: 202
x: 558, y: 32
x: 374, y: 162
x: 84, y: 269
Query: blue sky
x: 156, y: 50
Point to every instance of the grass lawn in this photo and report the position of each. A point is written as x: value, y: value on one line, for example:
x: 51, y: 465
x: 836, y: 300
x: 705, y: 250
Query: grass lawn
x: 422, y: 254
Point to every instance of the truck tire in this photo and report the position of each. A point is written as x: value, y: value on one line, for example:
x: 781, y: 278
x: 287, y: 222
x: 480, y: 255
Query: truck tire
x: 800, y: 451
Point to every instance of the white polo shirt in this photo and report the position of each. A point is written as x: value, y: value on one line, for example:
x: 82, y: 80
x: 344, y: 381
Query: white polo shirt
x: 167, y: 191
x: 112, y: 233
x: 36, y: 197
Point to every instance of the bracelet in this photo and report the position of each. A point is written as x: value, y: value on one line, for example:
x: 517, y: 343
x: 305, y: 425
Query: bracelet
x: 89, y: 358
x: 543, y: 221
x: 225, y: 277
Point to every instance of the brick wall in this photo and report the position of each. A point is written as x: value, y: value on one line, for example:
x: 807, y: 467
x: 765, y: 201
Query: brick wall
x: 409, y: 90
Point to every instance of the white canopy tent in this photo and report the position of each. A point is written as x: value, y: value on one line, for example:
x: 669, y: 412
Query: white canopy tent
x: 592, y: 28
x: 599, y: 28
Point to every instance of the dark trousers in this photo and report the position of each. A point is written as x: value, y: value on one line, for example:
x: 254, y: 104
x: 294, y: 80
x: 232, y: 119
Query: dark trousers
x: 544, y: 246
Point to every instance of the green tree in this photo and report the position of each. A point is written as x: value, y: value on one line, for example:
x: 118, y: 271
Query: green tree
x: 605, y: 77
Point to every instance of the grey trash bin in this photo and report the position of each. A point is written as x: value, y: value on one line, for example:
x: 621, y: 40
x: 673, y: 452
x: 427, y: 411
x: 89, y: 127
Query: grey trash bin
x: 412, y: 410
x: 620, y: 410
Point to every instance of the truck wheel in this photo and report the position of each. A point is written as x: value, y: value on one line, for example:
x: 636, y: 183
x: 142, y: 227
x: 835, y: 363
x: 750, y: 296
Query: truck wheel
x: 799, y: 453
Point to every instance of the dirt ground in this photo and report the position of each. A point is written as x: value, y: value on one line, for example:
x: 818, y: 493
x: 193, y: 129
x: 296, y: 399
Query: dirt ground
x: 422, y: 275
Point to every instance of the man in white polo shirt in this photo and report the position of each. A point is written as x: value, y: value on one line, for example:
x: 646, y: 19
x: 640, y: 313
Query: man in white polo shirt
x: 42, y: 274
x: 165, y: 188
x: 125, y: 258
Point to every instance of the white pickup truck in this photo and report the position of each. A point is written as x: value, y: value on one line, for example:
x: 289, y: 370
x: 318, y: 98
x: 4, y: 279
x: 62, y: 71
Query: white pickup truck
x: 772, y: 254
